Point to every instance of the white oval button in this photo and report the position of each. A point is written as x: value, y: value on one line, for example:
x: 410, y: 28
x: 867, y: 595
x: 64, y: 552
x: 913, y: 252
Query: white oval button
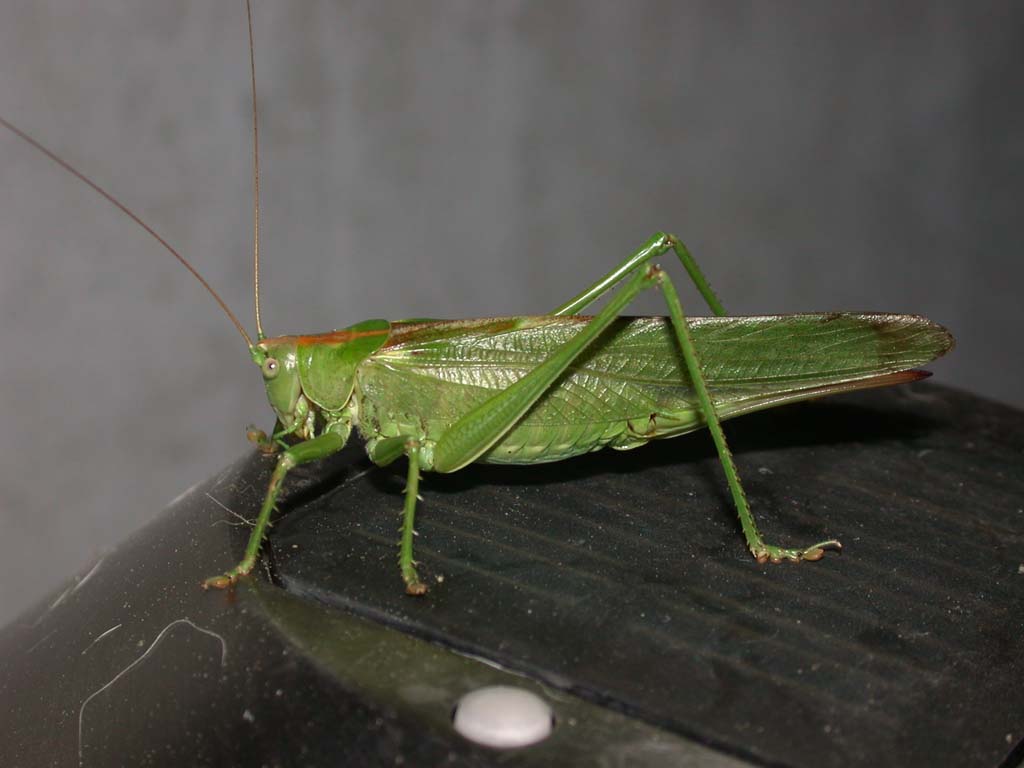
x: 503, y: 716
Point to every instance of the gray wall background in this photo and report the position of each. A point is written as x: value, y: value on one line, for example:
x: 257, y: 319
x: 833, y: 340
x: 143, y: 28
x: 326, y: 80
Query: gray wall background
x: 460, y: 159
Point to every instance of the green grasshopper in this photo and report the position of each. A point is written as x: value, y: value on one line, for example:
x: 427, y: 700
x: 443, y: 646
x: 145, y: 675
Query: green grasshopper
x: 533, y: 389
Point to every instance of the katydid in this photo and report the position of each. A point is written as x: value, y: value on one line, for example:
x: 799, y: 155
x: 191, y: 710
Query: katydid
x: 532, y: 389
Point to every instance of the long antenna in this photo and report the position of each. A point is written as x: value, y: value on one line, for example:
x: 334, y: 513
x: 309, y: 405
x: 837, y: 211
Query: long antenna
x: 131, y: 215
x: 255, y: 180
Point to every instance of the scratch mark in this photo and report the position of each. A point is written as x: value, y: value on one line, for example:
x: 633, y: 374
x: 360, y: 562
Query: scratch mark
x: 357, y: 475
x: 220, y: 478
x: 231, y: 512
x: 40, y: 641
x: 54, y: 604
x: 183, y: 494
x: 70, y: 590
x: 139, y: 660
x: 100, y: 637
x: 89, y: 575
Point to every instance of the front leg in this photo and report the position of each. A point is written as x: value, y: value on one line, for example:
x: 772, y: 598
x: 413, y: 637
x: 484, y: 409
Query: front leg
x: 303, y: 422
x: 311, y: 450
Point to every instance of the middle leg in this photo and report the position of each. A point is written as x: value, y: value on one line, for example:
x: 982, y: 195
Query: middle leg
x: 406, y: 563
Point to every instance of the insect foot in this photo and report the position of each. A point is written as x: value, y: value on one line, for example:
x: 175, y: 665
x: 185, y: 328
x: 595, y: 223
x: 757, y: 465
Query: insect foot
x: 220, y: 582
x: 413, y: 585
x: 224, y: 581
x: 229, y: 579
x: 769, y: 554
x: 416, y: 588
x: 265, y: 444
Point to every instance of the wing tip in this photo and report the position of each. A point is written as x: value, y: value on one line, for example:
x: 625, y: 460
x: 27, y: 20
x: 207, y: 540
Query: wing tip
x: 915, y: 374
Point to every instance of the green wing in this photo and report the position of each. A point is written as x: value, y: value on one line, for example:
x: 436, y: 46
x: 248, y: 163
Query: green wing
x: 631, y: 386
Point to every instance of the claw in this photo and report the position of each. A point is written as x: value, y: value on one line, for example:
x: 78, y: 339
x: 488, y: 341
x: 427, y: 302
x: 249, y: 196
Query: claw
x: 817, y: 551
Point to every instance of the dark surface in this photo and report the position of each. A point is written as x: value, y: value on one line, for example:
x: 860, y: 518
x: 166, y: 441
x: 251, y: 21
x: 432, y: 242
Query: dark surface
x: 623, y: 577
x: 134, y: 665
x: 617, y: 581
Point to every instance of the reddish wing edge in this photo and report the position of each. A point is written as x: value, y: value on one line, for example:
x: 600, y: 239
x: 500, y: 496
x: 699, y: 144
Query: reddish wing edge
x: 883, y: 380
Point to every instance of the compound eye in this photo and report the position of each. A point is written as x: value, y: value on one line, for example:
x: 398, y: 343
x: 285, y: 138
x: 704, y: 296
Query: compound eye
x: 270, y: 368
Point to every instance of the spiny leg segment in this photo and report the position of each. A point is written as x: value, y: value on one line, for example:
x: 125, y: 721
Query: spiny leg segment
x: 311, y: 450
x: 413, y: 585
